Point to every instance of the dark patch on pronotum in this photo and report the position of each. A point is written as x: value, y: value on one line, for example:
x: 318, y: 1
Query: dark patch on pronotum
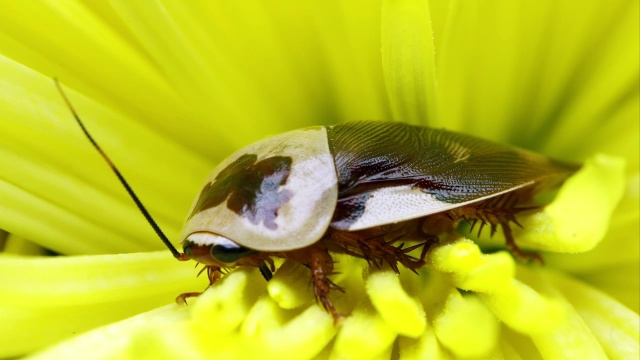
x: 252, y: 189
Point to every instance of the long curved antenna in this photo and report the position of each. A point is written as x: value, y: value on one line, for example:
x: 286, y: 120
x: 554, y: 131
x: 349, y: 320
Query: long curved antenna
x: 124, y: 182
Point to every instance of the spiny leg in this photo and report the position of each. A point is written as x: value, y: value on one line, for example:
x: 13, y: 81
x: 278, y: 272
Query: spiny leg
x: 500, y: 210
x: 378, y: 247
x: 320, y: 263
x: 214, y: 273
x: 321, y: 266
x: 515, y: 249
x: 391, y: 254
x: 504, y: 214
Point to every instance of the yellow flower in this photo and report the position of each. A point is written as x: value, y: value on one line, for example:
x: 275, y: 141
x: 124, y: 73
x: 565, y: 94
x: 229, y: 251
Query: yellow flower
x: 170, y: 88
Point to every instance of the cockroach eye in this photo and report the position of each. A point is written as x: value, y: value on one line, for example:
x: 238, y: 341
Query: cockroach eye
x: 210, y: 248
x: 230, y: 254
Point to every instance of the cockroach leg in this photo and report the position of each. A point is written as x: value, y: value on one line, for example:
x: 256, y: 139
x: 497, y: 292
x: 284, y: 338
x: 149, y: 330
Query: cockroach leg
x: 379, y: 245
x: 320, y: 263
x: 214, y: 273
x: 265, y: 271
x: 515, y: 249
x: 182, y: 298
x: 500, y: 210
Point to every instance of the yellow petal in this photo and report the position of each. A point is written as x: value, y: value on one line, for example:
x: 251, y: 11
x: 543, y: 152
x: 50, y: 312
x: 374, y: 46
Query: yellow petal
x: 364, y: 335
x: 460, y: 256
x: 573, y: 340
x: 225, y: 306
x: 114, y: 340
x: 521, y: 308
x: 403, y: 313
x: 616, y: 328
x: 59, y: 187
x: 266, y: 326
x: 68, y: 295
x: 579, y: 216
x: 466, y: 327
x: 408, y: 60
x: 425, y: 347
x: 470, y: 269
x: 15, y: 245
x: 494, y: 272
x: 289, y: 286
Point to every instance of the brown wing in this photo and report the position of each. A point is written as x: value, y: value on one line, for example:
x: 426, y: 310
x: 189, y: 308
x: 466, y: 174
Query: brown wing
x: 453, y: 168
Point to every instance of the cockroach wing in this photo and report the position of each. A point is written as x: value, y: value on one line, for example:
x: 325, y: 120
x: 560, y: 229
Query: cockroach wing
x: 390, y: 172
x: 274, y: 195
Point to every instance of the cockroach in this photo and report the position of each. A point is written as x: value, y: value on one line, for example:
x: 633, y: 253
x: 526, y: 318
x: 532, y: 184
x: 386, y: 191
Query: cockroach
x: 357, y: 188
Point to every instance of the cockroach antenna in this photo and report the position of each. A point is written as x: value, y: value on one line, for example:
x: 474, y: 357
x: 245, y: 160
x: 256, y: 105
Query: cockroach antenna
x: 124, y: 182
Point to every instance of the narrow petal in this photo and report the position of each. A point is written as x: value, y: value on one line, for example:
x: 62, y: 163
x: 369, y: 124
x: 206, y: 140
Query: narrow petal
x: 69, y: 295
x: 408, y: 61
x: 113, y: 341
x: 601, y: 94
x: 532, y: 65
x: 616, y: 327
x: 56, y: 175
